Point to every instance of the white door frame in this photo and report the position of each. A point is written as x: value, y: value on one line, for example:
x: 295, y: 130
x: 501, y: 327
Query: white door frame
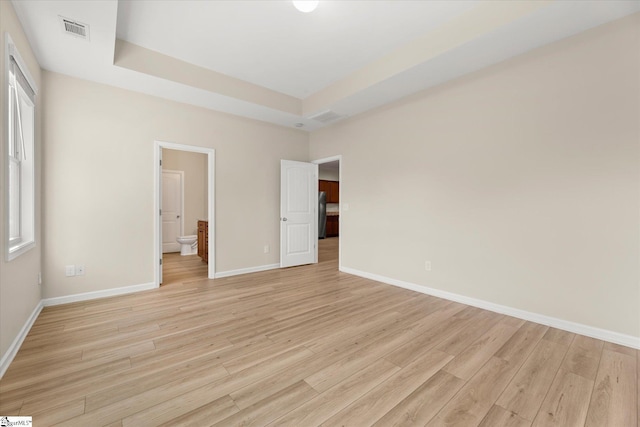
x: 157, y: 241
x: 327, y: 160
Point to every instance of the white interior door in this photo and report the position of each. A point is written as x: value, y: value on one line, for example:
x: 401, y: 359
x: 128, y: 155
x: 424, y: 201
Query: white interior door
x: 298, y: 213
x: 172, y: 217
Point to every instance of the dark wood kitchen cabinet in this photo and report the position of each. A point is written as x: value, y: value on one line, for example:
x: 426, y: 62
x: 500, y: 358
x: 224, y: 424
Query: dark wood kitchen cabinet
x: 332, y: 188
x: 333, y: 225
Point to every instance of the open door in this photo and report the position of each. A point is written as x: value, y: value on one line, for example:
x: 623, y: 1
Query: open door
x: 298, y: 213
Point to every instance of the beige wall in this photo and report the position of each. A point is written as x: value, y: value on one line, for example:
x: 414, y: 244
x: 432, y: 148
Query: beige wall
x: 19, y: 289
x: 98, y: 182
x: 194, y: 166
x: 520, y: 183
x: 329, y: 175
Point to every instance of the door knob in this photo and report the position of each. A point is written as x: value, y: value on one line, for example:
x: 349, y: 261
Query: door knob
x: 284, y: 219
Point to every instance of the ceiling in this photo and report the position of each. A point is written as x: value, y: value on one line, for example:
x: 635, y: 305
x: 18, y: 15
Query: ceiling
x: 267, y: 61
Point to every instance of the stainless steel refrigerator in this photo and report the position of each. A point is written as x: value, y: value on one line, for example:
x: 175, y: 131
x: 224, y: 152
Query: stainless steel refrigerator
x: 322, y: 215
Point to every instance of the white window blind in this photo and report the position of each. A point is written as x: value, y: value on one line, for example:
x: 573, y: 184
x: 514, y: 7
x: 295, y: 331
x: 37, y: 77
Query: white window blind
x: 21, y: 164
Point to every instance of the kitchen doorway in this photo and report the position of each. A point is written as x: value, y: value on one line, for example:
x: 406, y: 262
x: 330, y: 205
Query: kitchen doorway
x: 330, y: 181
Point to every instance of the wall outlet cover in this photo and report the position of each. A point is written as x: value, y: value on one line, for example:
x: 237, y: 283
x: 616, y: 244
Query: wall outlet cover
x: 70, y: 270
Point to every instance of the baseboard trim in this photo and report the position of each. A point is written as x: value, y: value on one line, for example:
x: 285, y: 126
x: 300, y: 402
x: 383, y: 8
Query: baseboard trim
x: 98, y: 294
x: 578, y: 328
x: 11, y: 352
x: 229, y: 273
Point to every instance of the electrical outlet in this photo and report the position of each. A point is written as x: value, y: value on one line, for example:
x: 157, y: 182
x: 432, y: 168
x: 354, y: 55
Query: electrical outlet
x: 427, y: 265
x: 70, y: 270
x: 266, y: 249
x: 79, y: 270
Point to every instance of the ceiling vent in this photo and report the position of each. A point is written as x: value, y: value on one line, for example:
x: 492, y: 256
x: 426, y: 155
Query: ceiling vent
x: 75, y: 28
x: 326, y: 116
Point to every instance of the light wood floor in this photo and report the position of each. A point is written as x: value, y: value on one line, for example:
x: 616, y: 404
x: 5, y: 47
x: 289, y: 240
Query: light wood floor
x: 308, y: 346
x: 178, y: 269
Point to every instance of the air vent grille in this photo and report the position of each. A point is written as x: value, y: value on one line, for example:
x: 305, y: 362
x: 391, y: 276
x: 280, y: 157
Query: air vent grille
x: 75, y: 28
x: 326, y: 116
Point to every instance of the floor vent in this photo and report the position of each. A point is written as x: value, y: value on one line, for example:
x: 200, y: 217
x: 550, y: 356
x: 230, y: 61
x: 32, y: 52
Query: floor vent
x: 326, y: 116
x: 75, y: 28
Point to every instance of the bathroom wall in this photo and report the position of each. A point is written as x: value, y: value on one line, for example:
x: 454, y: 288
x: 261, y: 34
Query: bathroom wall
x: 194, y: 166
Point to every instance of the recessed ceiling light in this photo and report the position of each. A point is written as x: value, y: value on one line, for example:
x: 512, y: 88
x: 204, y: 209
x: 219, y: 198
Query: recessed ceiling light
x: 306, y: 6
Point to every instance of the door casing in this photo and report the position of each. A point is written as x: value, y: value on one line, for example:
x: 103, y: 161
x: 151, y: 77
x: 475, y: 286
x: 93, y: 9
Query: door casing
x: 157, y: 179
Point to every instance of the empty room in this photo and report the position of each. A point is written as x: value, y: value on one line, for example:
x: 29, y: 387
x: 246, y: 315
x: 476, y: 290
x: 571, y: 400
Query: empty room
x: 334, y: 212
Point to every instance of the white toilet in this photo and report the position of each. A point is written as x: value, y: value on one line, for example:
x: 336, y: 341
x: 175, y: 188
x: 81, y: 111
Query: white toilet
x: 188, y: 244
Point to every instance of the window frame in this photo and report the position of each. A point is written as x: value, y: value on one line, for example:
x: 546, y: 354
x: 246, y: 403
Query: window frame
x: 26, y: 239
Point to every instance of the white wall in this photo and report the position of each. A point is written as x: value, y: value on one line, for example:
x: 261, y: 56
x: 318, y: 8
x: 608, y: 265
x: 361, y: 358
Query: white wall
x: 520, y: 183
x: 19, y: 290
x: 194, y: 166
x: 98, y: 182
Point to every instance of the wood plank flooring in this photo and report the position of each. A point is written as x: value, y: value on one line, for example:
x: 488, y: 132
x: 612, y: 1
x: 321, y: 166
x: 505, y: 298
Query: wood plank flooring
x: 178, y: 269
x: 309, y: 346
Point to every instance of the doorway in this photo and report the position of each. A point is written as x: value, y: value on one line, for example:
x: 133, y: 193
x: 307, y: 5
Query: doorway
x: 209, y: 216
x: 330, y: 177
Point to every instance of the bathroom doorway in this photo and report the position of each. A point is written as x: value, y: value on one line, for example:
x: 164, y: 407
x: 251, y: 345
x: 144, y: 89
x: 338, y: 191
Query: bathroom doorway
x: 185, y: 261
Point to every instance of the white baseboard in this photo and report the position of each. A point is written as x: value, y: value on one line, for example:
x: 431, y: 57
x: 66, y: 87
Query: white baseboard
x: 98, y: 294
x: 11, y: 352
x: 578, y: 328
x: 228, y: 273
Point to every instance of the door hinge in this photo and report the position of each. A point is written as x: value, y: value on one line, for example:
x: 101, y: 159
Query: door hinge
x: 160, y: 261
x: 160, y: 212
x: 160, y: 162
